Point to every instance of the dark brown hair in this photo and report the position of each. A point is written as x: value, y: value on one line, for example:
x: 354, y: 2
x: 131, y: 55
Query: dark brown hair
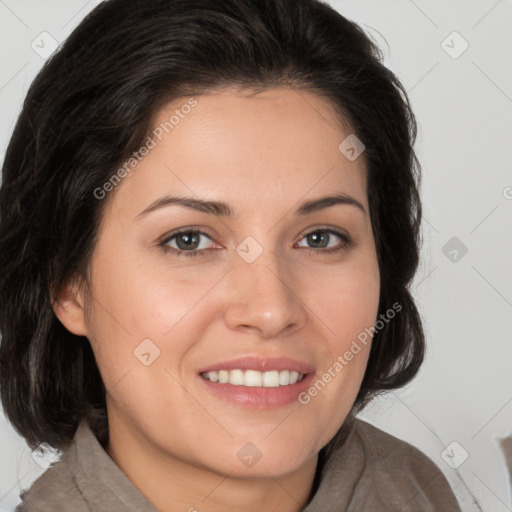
x: 90, y: 108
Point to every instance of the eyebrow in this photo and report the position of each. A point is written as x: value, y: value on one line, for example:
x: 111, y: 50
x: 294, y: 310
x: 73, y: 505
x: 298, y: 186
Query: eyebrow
x: 221, y: 209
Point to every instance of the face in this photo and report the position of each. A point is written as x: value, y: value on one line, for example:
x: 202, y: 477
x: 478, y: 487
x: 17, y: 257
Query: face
x: 270, y: 284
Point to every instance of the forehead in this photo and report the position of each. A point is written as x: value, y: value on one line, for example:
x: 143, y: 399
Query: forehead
x: 279, y: 146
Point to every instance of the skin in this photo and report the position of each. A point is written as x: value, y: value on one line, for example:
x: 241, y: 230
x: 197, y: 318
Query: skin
x: 263, y: 154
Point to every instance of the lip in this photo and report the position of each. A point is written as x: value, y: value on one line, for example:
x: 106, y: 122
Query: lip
x: 261, y: 364
x: 258, y: 397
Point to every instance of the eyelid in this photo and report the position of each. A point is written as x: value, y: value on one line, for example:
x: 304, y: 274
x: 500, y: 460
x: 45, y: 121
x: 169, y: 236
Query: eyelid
x: 331, y: 229
x: 165, y: 239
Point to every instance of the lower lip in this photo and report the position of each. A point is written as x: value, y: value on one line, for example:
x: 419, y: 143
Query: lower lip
x: 259, y: 397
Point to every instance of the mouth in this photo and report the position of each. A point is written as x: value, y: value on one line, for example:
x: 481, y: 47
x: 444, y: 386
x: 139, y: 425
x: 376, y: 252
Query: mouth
x: 254, y: 378
x: 257, y: 382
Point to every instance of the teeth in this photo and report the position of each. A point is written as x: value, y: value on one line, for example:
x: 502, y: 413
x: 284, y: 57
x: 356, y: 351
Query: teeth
x: 271, y: 379
x: 254, y: 378
x: 284, y: 377
x: 236, y: 377
x: 251, y: 378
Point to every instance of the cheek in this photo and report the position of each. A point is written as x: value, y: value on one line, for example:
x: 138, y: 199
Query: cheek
x: 346, y: 298
x: 137, y: 298
x: 134, y: 302
x: 346, y: 301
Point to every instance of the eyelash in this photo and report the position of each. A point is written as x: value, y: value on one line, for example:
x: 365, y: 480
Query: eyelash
x: 347, y: 242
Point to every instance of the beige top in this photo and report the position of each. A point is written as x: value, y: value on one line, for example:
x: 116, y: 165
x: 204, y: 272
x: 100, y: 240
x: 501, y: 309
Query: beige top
x: 368, y: 470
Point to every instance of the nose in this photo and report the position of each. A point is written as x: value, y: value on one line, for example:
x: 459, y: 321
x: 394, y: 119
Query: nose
x: 264, y: 299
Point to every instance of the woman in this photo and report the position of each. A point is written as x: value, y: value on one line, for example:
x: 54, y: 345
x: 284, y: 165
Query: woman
x: 210, y: 219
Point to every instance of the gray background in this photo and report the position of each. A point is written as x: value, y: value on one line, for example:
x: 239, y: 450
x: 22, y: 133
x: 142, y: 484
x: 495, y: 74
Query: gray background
x: 460, y: 405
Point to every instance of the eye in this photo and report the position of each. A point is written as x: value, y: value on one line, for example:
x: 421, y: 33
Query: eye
x: 189, y: 242
x: 321, y: 239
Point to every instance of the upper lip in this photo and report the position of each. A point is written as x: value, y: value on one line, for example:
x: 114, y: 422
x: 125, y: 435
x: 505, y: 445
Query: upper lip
x: 262, y: 364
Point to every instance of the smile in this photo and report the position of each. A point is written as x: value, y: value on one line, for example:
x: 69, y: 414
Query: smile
x: 254, y: 378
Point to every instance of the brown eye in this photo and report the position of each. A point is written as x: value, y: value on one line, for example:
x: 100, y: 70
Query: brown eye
x: 186, y: 241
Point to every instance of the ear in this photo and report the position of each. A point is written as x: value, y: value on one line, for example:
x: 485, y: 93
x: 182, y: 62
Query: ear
x: 68, y: 305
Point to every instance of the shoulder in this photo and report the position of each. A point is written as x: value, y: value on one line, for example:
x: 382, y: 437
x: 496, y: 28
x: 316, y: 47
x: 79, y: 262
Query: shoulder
x: 395, y: 473
x: 54, y: 490
x: 85, y: 479
x: 387, y: 449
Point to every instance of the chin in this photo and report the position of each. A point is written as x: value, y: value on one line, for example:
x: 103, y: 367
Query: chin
x: 278, y: 464
x: 276, y: 455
